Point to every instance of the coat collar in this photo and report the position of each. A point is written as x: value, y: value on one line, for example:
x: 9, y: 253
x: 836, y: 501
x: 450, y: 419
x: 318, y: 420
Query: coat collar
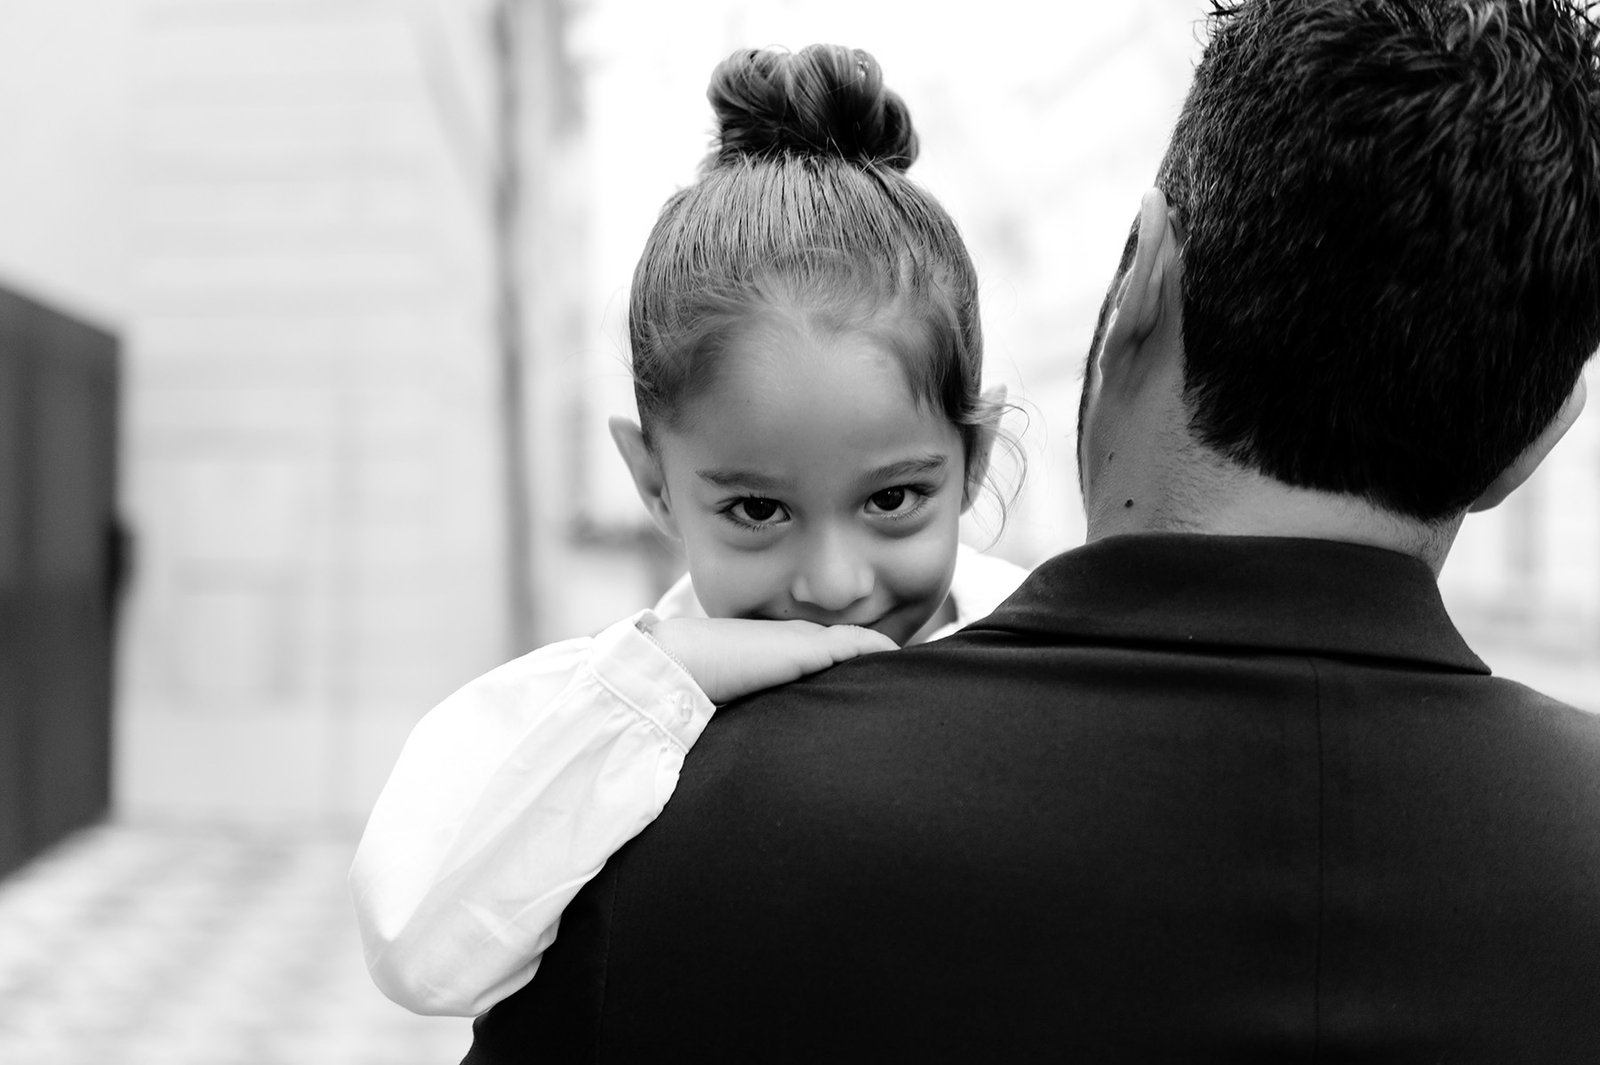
x: 1278, y: 595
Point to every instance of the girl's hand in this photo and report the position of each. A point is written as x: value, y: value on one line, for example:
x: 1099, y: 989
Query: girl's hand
x: 730, y: 657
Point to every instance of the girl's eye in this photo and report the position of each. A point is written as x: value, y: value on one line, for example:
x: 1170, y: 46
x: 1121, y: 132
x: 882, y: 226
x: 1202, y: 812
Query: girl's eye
x: 757, y: 511
x: 889, y: 500
x: 901, y: 501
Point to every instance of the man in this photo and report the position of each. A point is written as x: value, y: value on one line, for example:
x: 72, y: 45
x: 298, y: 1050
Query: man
x: 1225, y: 784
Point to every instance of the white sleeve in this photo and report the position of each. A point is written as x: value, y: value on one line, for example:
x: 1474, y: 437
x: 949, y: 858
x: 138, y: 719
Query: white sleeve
x: 507, y: 798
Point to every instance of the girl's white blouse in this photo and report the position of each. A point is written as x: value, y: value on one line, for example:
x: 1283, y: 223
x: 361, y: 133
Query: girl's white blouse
x: 510, y: 795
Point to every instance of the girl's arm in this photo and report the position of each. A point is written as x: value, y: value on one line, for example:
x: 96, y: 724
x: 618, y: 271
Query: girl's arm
x: 510, y: 795
x: 506, y: 799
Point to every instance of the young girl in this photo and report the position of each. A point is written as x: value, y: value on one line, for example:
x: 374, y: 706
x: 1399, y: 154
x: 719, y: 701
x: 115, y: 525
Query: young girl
x: 807, y: 363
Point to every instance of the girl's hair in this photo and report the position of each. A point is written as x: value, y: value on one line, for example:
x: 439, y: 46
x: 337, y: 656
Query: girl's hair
x: 803, y: 215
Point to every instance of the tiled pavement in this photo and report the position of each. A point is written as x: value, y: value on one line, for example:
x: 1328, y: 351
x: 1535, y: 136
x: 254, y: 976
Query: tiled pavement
x: 128, y: 945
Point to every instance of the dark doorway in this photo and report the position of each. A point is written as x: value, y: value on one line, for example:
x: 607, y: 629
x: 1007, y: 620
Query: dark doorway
x: 62, y: 561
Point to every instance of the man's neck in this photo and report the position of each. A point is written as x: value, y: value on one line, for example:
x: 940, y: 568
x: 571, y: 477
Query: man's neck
x: 1198, y: 491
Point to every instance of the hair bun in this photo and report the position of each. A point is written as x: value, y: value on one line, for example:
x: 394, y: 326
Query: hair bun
x: 825, y: 100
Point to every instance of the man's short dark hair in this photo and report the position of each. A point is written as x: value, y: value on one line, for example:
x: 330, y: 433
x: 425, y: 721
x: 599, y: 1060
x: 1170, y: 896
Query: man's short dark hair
x: 1391, y: 275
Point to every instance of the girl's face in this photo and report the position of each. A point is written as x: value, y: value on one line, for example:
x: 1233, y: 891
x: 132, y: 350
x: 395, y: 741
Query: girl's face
x: 809, y: 483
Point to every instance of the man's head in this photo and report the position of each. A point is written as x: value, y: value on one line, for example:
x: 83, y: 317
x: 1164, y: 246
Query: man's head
x: 1385, y: 218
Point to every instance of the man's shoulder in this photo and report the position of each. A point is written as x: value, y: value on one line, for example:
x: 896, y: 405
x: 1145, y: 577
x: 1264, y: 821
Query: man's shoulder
x: 1576, y: 728
x: 849, y: 815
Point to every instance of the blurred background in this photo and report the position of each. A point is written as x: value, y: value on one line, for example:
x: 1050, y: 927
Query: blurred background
x: 310, y: 322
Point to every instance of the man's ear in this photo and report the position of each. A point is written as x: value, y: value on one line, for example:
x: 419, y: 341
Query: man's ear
x: 645, y: 468
x: 1523, y: 466
x: 1145, y: 289
x: 993, y: 403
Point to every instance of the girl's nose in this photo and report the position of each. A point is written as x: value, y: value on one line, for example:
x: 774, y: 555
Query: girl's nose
x: 832, y: 577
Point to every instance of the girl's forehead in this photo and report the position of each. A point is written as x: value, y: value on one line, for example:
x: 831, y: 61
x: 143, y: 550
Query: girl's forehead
x: 798, y: 361
x: 839, y: 378
x: 791, y: 401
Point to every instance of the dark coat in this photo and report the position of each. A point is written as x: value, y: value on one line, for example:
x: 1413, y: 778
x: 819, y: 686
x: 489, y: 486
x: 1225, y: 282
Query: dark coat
x: 1180, y: 799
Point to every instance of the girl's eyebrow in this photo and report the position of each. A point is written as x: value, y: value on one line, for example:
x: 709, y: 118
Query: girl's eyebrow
x: 755, y: 481
x: 760, y: 482
x: 920, y: 466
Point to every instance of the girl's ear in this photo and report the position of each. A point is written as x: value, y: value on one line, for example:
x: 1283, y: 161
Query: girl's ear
x: 645, y: 468
x: 993, y: 403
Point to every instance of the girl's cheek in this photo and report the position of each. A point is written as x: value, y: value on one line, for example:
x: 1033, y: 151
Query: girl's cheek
x: 924, y: 560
